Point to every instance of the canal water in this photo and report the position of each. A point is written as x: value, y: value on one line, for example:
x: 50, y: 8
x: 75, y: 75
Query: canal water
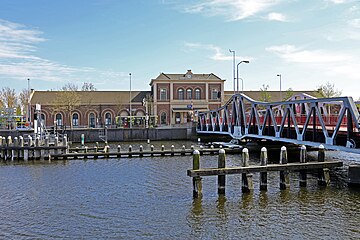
x: 151, y: 198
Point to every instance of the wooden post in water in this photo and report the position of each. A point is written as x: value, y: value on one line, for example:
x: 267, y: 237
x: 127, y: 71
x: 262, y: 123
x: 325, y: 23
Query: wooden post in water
x: 197, y: 186
x: 221, y: 178
x: 37, y: 151
x: 183, y: 150
x: 302, y: 173
x: 172, y: 150
x: 15, y: 152
x: 284, y: 175
x: 192, y: 148
x: 141, y: 149
x: 162, y: 150
x: 323, y: 174
x: 9, y: 144
x: 130, y: 150
x: 246, y: 178
x: 263, y: 175
x: 212, y: 148
x: 152, y: 150
x: 1, y: 146
x: 46, y: 152
x: 21, y: 145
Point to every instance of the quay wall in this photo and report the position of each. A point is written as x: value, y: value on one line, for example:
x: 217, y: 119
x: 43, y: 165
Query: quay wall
x: 119, y: 134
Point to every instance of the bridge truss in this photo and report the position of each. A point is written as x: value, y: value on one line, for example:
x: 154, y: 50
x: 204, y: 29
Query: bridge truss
x: 300, y: 121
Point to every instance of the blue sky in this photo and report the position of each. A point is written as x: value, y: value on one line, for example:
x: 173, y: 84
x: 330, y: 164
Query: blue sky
x: 308, y: 42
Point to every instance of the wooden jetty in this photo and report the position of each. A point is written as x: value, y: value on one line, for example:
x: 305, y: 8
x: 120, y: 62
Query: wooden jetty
x: 283, y: 167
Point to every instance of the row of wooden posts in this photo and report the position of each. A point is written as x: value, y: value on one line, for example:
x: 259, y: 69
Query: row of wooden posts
x: 19, y: 149
x: 246, y: 170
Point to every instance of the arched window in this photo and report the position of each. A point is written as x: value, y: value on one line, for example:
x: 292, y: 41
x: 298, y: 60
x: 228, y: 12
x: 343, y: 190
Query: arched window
x: 58, y: 119
x: 181, y: 94
x: 214, y: 94
x: 189, y: 93
x: 163, y: 94
x: 75, y: 120
x: 197, y: 94
x: 42, y: 118
x: 108, y: 118
x: 92, y: 120
x: 163, y: 118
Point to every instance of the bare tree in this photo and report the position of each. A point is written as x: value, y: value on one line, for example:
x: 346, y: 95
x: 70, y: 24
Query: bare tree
x: 87, y: 86
x: 289, y: 93
x: 8, y: 97
x: 24, y: 96
x: 67, y: 100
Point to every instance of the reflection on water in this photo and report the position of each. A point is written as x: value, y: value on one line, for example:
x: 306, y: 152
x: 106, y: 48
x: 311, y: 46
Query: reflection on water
x: 152, y: 198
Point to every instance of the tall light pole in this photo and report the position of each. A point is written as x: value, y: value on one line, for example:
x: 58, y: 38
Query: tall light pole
x: 28, y: 105
x: 237, y: 76
x: 279, y: 75
x: 233, y: 53
x: 130, y: 102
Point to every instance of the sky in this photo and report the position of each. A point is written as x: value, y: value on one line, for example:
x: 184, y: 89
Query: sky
x: 52, y: 43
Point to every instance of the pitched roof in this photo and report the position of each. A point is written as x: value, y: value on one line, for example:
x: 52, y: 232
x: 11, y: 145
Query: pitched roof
x: 274, y: 95
x: 93, y: 97
x: 196, y: 76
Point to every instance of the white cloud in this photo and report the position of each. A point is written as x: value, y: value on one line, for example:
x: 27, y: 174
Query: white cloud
x: 217, y: 53
x: 276, y: 17
x: 354, y: 23
x: 232, y: 10
x: 329, y: 62
x: 18, y: 58
x: 337, y: 1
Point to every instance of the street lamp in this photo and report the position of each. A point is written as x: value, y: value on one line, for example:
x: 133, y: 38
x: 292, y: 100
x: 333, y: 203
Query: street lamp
x: 233, y: 52
x: 130, y: 102
x: 237, y: 76
x: 279, y: 75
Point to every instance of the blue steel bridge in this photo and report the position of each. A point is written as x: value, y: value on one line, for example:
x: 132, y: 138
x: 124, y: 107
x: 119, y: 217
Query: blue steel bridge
x: 303, y: 119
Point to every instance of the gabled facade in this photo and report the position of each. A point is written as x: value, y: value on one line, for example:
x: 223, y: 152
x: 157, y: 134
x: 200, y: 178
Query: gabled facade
x: 177, y: 96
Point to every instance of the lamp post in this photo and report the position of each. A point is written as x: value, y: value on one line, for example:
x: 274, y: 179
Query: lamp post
x: 233, y: 53
x: 279, y: 75
x: 237, y: 76
x: 130, y: 102
x: 28, y: 105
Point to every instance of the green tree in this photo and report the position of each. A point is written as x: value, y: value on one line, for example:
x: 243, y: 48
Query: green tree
x: 328, y: 91
x: 265, y: 96
x: 289, y: 93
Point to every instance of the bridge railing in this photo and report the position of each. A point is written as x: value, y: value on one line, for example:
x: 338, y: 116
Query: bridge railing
x: 242, y: 116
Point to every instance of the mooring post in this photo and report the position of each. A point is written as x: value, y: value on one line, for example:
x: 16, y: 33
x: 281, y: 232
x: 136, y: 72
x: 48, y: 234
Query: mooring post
x: 183, y: 150
x: 86, y: 150
x: 148, y: 141
x: 212, y: 149
x: 56, y: 144
x: 263, y: 175
x: 15, y: 151
x: 162, y: 150
x: 222, y: 177
x: 197, y: 186
x: 284, y: 175
x: 130, y: 150
x: 21, y: 145
x: 65, y: 143
x: 46, y: 151
x: 246, y: 178
x: 152, y: 150
x: 37, y: 150
x: 2, y: 149
x: 141, y: 149
x: 302, y: 173
x: 323, y: 174
x: 172, y: 150
x: 9, y: 144
x: 201, y: 150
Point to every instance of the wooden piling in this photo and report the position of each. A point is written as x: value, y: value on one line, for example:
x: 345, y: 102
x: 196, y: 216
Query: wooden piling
x: 9, y: 144
x: 15, y: 152
x: 201, y: 150
x: 263, y: 175
x: 284, y: 175
x: 21, y: 145
x: 197, y: 185
x: 221, y: 178
x: 302, y: 173
x: 152, y: 150
x: 246, y: 178
x: 172, y: 150
x: 162, y: 150
x: 323, y: 174
x: 2, y: 155
x: 141, y: 149
x: 183, y: 150
x: 130, y: 151
x: 65, y: 143
x: 36, y: 151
